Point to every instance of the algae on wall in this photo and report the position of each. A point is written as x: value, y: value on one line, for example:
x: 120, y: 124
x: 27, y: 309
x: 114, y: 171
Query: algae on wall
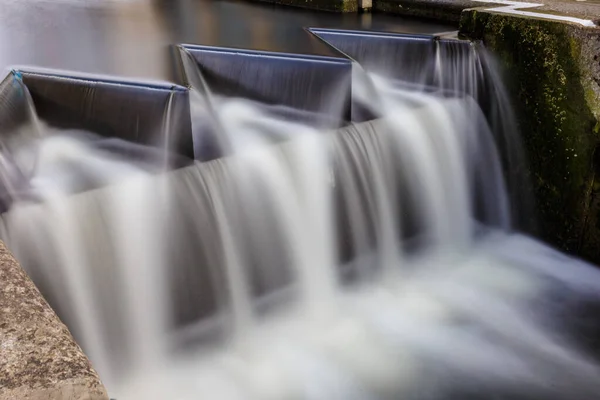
x: 552, y: 87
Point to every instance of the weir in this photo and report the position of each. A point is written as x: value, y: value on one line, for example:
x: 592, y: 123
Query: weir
x: 349, y: 228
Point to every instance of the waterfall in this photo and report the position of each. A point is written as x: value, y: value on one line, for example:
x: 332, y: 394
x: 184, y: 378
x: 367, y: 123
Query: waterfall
x: 375, y: 261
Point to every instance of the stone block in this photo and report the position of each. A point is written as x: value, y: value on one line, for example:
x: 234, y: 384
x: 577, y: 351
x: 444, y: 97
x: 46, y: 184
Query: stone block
x: 39, y: 360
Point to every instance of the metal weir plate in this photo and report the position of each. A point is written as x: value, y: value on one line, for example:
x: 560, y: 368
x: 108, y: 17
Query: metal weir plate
x: 300, y: 82
x: 130, y: 110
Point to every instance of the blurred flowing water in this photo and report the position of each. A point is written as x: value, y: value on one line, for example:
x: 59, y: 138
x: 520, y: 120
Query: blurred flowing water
x: 375, y: 261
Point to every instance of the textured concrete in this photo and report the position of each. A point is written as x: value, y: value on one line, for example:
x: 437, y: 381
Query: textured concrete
x: 588, y: 9
x: 450, y: 10
x: 39, y: 360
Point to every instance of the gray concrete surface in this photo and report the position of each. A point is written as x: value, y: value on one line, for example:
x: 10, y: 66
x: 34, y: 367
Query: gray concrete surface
x: 39, y: 360
x: 450, y: 10
x: 589, y: 9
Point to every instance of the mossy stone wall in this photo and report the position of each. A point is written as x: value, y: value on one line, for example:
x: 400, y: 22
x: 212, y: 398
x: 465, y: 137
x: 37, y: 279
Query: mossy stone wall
x: 555, y: 85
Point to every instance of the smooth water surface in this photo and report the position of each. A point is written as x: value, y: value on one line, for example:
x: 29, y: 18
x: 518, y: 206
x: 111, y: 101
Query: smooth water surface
x: 132, y: 37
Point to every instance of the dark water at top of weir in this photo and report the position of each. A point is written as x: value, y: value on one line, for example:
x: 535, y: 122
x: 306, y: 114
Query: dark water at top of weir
x: 131, y: 38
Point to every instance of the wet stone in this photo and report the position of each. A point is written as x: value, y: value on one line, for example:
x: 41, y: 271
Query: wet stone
x: 38, y: 357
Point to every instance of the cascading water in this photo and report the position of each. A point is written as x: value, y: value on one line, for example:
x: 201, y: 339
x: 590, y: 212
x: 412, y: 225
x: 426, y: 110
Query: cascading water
x: 372, y: 262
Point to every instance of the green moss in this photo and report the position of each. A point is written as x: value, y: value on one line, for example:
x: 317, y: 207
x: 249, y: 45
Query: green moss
x: 349, y: 6
x: 560, y: 132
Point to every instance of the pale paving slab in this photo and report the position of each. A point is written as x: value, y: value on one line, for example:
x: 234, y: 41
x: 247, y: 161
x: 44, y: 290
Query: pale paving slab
x: 584, y: 12
x: 39, y: 360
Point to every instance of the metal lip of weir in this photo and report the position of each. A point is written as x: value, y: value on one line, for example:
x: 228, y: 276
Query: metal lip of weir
x: 323, y: 33
x: 267, y: 54
x: 338, y: 39
x: 70, y: 75
x: 328, y: 37
x: 444, y: 40
x: 374, y: 34
x: 234, y: 72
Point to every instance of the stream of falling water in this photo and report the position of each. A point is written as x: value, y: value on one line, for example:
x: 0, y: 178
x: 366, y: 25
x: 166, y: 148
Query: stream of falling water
x: 377, y: 261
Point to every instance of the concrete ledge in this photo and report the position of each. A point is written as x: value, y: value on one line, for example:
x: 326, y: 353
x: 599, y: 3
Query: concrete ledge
x: 39, y: 360
x: 451, y: 10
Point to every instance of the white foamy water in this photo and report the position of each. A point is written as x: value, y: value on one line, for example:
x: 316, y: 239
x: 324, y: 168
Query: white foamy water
x: 377, y: 261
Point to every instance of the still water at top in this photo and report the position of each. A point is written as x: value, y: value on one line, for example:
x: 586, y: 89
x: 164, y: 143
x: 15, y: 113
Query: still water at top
x: 131, y: 38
